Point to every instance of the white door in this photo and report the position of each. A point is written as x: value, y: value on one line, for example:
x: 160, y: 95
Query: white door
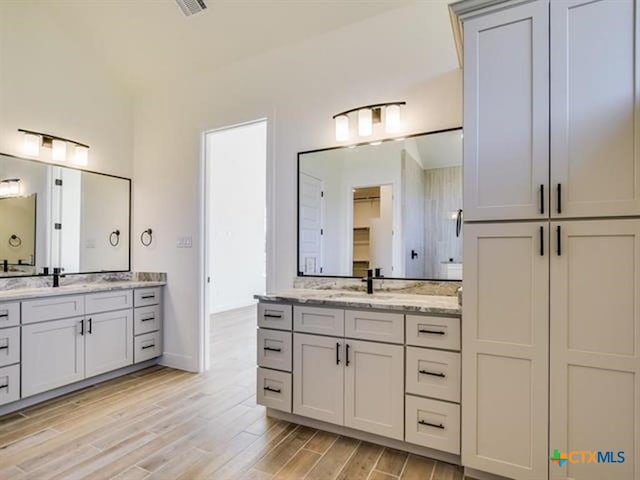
x: 595, y: 82
x: 109, y: 341
x: 505, y: 345
x: 506, y: 114
x: 52, y: 355
x: 311, y: 195
x: 595, y: 347
x: 374, y: 388
x: 318, y: 377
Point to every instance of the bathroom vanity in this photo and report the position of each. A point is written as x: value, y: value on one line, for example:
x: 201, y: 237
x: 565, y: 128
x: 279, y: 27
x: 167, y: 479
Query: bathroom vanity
x: 55, y: 340
x: 383, y: 367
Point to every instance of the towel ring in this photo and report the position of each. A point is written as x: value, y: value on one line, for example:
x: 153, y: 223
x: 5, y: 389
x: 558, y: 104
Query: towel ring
x: 15, y: 241
x: 114, y: 241
x: 146, y: 237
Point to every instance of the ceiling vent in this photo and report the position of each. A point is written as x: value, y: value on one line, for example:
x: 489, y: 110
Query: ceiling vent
x: 191, y: 7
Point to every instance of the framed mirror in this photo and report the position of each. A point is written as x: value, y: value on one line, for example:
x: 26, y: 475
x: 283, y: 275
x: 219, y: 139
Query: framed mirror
x: 60, y: 217
x: 393, y: 206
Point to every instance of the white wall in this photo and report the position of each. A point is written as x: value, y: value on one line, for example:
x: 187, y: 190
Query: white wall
x: 298, y: 89
x: 236, y: 164
x: 51, y: 83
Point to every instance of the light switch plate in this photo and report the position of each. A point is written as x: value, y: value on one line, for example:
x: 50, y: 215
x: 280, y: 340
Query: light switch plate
x: 184, y: 242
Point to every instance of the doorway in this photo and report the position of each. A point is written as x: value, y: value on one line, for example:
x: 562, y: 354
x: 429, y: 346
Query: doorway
x: 235, y: 198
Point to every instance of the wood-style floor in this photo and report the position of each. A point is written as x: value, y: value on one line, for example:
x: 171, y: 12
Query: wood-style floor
x: 166, y: 424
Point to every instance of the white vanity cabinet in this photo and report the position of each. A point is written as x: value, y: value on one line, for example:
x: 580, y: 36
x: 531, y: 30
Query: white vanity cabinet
x: 97, y: 338
x: 9, y: 352
x: 147, y: 314
x: 347, y: 368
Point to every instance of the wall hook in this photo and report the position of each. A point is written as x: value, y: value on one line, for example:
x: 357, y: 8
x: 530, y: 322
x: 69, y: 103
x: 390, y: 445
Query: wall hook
x: 15, y: 241
x: 146, y: 237
x: 114, y: 238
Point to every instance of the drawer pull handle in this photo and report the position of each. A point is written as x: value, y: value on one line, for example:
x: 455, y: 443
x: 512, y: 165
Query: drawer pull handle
x: 432, y: 332
x: 271, y: 315
x: 147, y: 297
x: 4, y: 347
x: 347, y: 352
x: 148, y: 346
x: 271, y: 349
x: 434, y: 425
x: 4, y: 315
x: 5, y: 386
x: 434, y: 374
x: 274, y: 390
x: 147, y: 319
x: 337, y: 353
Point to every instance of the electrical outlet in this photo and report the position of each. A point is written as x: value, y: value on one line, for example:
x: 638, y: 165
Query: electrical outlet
x: 184, y: 242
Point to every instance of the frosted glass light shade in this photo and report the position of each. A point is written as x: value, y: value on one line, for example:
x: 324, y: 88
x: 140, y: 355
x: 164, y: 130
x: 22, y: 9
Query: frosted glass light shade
x: 11, y: 188
x: 392, y: 119
x: 342, y: 128
x: 81, y: 156
x: 59, y: 150
x: 31, y: 144
x: 365, y: 122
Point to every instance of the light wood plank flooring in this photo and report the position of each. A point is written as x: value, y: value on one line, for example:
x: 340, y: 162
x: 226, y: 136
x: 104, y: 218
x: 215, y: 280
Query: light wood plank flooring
x: 166, y: 424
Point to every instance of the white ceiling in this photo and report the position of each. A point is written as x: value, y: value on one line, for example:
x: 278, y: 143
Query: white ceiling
x: 145, y: 40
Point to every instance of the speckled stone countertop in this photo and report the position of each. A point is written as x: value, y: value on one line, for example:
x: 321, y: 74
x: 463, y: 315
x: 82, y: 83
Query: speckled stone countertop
x: 41, y: 292
x: 434, y: 304
x: 23, y: 288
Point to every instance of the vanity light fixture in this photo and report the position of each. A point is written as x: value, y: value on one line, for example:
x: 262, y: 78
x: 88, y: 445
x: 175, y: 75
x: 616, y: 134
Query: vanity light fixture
x: 32, y: 141
x: 368, y: 117
x: 11, y: 187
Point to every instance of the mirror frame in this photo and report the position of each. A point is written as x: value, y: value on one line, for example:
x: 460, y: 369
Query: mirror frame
x: 33, y: 160
x: 299, y: 272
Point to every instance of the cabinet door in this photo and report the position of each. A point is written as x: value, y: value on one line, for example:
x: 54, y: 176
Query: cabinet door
x: 52, y: 355
x: 318, y: 377
x: 595, y: 82
x: 506, y: 114
x: 505, y: 345
x: 109, y: 341
x: 374, y: 388
x: 595, y: 347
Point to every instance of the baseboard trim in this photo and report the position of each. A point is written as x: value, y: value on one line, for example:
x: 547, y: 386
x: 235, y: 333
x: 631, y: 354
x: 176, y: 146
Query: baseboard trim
x: 365, y: 436
x: 179, y: 362
x: 471, y: 473
x: 88, y: 382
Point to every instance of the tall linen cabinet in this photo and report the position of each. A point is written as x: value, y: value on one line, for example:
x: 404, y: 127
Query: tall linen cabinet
x: 551, y: 312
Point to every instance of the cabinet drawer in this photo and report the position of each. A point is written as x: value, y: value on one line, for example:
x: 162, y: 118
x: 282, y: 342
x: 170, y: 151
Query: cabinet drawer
x: 273, y: 315
x: 9, y: 346
x: 146, y: 347
x: 274, y: 349
x: 380, y: 327
x: 9, y: 314
x: 433, y: 332
x: 274, y: 389
x: 323, y: 321
x: 146, y: 296
x: 433, y: 373
x: 52, y: 308
x: 146, y: 319
x: 108, y: 301
x: 9, y: 384
x: 433, y: 424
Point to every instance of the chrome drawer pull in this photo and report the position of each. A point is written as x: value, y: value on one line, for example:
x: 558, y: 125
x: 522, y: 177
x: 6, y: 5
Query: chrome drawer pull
x: 274, y: 390
x: 432, y: 332
x: 147, y: 297
x: 422, y: 422
x: 148, y: 346
x: 147, y: 319
x: 435, y: 374
x: 270, y: 315
x: 271, y: 349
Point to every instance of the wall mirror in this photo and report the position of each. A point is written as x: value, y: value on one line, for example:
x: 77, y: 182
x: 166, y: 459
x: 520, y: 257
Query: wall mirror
x: 59, y: 217
x: 393, y: 206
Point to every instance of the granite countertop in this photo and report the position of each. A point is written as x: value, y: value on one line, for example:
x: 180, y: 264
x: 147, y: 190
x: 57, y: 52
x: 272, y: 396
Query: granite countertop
x: 39, y: 292
x: 435, y: 304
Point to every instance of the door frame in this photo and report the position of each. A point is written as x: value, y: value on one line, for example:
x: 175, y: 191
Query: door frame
x: 204, y: 327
